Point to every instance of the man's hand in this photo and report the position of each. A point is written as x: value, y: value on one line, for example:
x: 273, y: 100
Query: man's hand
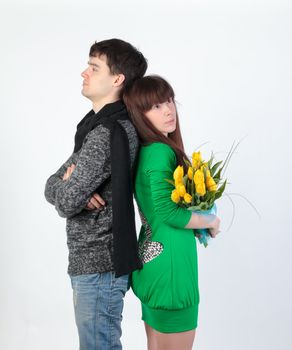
x: 95, y: 202
x: 69, y: 171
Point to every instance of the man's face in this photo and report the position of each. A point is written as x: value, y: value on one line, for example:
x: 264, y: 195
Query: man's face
x: 98, y: 82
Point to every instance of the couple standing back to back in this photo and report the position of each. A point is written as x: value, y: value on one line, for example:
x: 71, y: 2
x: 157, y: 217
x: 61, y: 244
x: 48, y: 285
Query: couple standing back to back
x: 130, y: 142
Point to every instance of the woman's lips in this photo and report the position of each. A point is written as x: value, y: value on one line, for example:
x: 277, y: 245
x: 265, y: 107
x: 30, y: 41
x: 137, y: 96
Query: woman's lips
x: 171, y: 121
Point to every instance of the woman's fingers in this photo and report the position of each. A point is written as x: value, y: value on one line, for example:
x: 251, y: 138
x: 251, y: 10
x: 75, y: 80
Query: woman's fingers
x: 214, y: 229
x: 213, y: 232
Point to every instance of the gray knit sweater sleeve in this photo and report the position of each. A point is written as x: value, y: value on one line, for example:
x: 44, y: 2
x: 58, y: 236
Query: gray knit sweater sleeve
x: 71, y: 196
x: 55, y: 180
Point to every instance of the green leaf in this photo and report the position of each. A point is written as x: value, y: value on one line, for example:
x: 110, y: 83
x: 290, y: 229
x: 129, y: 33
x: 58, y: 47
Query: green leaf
x: 200, y: 206
x: 217, y: 176
x: 214, y: 168
x: 187, y: 162
x: 170, y: 181
x: 204, y: 206
x: 210, y: 161
x: 195, y: 207
x: 220, y: 190
x: 211, y: 195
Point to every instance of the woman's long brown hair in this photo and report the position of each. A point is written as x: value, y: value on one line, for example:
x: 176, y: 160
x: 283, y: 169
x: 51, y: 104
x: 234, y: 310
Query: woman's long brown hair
x: 139, y: 99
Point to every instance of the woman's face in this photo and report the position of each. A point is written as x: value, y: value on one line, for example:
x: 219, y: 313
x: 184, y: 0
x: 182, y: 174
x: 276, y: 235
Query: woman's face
x: 163, y: 116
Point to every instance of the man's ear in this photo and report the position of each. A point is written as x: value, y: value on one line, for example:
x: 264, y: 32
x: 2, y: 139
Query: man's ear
x: 120, y: 78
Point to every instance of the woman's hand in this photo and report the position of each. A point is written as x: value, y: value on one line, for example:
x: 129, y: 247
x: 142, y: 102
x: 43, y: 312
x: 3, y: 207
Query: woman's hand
x: 214, y: 227
x: 210, y: 222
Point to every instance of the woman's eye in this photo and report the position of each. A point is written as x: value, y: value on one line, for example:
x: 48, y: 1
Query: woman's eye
x: 155, y: 106
x: 169, y: 100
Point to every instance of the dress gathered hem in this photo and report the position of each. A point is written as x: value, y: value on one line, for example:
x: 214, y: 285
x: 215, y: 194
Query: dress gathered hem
x: 171, y: 321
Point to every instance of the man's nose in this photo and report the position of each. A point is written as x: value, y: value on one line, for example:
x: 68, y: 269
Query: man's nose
x: 85, y: 74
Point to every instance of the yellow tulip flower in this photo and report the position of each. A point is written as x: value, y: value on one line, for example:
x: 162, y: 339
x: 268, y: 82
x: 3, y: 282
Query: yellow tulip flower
x: 181, y: 190
x: 204, y: 166
x: 196, y: 159
x: 199, y: 177
x: 190, y: 173
x: 175, y: 197
x: 211, y: 184
x: 178, y: 173
x: 187, y: 198
x: 178, y: 182
x: 201, y: 189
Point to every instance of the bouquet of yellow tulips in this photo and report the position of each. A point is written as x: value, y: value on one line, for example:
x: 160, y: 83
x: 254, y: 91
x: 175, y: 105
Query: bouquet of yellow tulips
x: 199, y: 188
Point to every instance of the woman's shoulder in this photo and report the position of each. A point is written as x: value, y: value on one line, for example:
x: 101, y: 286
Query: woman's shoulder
x: 158, y: 147
x: 158, y: 153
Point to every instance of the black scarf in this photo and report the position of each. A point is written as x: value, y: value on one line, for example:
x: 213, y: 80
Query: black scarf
x: 125, y: 244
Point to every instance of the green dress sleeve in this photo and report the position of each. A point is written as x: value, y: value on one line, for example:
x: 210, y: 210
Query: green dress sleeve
x: 161, y: 163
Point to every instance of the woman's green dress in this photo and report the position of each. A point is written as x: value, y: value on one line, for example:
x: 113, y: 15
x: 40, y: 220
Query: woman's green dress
x: 167, y: 285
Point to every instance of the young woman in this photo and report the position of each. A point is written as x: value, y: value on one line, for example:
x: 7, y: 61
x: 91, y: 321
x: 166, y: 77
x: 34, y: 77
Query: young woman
x: 168, y: 283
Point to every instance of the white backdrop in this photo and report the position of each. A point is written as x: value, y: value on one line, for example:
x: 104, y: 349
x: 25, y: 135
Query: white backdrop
x: 230, y: 65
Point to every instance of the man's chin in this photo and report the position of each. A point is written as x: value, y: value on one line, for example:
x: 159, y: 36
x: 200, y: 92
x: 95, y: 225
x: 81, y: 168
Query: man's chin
x: 83, y: 92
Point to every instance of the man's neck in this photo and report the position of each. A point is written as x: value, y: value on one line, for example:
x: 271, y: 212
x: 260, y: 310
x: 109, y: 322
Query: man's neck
x: 98, y: 105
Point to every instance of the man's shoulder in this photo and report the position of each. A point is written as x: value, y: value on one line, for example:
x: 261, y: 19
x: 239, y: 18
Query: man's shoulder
x: 100, y: 133
x: 128, y: 125
x: 103, y: 131
x: 124, y: 121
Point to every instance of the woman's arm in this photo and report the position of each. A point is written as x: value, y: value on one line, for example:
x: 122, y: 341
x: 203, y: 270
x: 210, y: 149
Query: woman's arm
x: 160, y: 166
x: 211, y: 222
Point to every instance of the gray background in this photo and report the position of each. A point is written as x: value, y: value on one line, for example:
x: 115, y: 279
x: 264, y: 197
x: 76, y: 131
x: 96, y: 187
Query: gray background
x: 230, y: 65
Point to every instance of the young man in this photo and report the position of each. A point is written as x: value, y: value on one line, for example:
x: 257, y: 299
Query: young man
x: 93, y: 190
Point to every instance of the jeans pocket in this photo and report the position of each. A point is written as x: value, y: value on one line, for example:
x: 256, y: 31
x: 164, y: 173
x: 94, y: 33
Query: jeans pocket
x: 122, y: 282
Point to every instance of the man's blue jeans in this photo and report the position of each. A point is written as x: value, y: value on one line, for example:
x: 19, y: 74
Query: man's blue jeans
x: 98, y: 304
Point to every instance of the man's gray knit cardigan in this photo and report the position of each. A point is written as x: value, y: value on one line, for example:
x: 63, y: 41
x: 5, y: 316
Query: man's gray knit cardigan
x: 89, y: 232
